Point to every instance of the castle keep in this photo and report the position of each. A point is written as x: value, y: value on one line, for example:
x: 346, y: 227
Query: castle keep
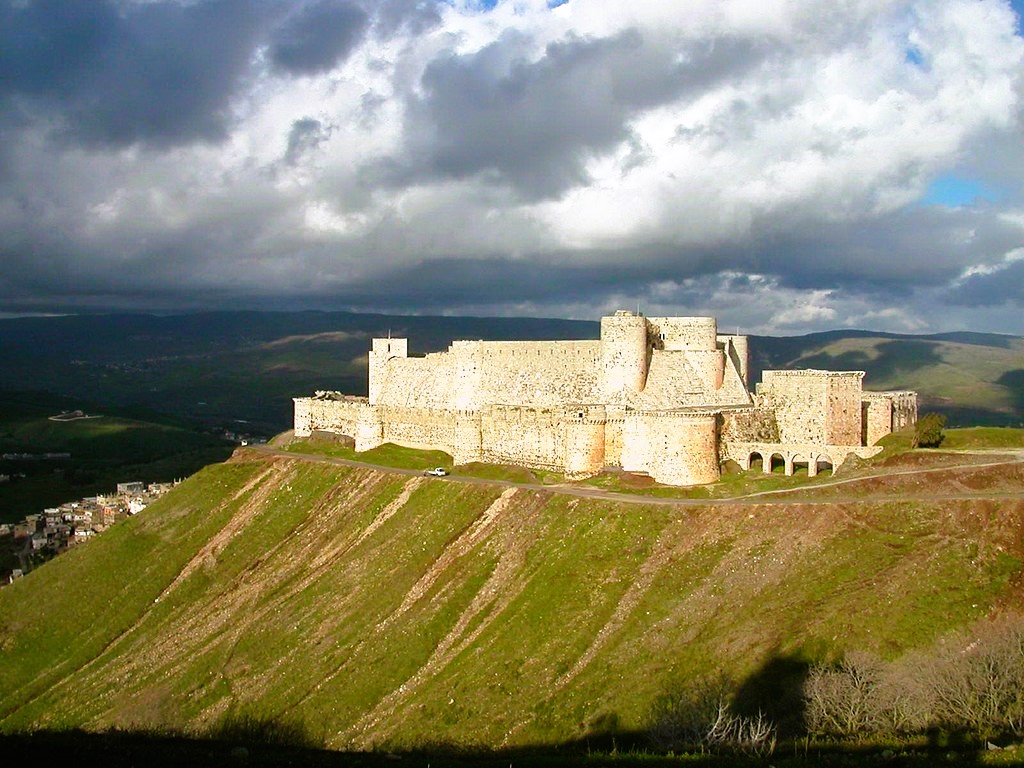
x: 665, y: 396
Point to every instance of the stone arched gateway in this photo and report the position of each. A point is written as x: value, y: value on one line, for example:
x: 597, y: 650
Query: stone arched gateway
x: 801, y: 459
x: 765, y: 457
x: 779, y: 459
x: 823, y: 462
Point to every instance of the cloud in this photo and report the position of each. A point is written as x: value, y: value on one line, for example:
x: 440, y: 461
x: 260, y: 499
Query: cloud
x: 305, y: 136
x: 728, y: 157
x: 316, y: 37
x: 109, y: 74
x: 533, y: 122
x: 1001, y: 282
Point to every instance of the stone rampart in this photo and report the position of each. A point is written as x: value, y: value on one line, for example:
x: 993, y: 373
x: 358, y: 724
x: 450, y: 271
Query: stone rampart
x: 531, y: 437
x: 690, y: 333
x: 623, y: 363
x: 473, y: 374
x: 842, y: 409
x: 329, y: 412
x: 886, y: 412
x: 381, y: 352
x: 750, y: 425
x: 738, y: 351
x: 813, y: 406
x: 665, y: 396
x: 679, y: 448
x: 541, y: 374
x: 426, y: 428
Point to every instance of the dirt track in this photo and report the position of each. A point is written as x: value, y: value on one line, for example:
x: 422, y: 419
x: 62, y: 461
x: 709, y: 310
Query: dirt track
x: 1000, y: 479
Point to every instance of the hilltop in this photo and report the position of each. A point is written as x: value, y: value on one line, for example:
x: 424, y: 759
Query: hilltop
x: 373, y: 608
x: 220, y: 368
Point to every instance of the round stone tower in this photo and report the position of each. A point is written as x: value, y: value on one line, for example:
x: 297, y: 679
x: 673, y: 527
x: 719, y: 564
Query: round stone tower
x: 623, y: 356
x: 584, y: 440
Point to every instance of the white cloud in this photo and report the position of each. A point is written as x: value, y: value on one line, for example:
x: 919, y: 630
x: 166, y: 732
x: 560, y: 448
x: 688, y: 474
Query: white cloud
x: 679, y: 141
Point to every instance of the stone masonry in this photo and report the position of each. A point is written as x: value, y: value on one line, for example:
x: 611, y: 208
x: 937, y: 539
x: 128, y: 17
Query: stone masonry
x: 665, y: 396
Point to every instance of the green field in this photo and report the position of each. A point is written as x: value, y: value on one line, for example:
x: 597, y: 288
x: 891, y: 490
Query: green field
x: 377, y: 610
x: 104, y: 451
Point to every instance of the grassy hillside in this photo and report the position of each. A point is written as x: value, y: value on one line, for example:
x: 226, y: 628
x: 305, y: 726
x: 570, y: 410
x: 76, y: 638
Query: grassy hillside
x: 370, y: 608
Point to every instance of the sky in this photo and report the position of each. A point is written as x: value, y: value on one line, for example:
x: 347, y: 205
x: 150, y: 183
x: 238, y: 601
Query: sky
x: 787, y: 166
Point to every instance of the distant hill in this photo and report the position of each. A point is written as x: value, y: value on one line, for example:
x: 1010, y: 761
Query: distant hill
x: 102, y: 450
x: 973, y: 378
x: 373, y: 609
x: 222, y: 368
x: 225, y: 367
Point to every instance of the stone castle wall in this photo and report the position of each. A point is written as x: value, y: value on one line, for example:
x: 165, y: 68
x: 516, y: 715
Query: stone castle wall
x: 886, y: 412
x: 562, y: 440
x: 679, y: 448
x: 904, y: 409
x: 426, y: 428
x: 473, y: 374
x: 329, y: 412
x: 842, y: 408
x: 665, y: 396
x: 624, y: 355
x: 810, y: 406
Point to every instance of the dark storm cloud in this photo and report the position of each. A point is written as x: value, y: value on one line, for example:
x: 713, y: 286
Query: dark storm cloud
x: 454, y: 282
x: 1003, y: 286
x: 888, y: 259
x: 533, y: 124
x: 113, y: 74
x: 317, y: 37
x: 910, y: 248
x: 413, y: 16
x: 305, y: 136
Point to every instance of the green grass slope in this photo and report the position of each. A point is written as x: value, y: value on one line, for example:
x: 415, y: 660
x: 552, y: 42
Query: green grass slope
x: 378, y: 609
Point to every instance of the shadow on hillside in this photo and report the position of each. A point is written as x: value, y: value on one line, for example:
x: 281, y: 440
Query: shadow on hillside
x: 773, y: 690
x: 126, y: 748
x: 1014, y: 381
x: 892, y: 358
x: 776, y: 689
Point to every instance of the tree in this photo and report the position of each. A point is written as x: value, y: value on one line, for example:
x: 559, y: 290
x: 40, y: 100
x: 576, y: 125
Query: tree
x: 928, y: 431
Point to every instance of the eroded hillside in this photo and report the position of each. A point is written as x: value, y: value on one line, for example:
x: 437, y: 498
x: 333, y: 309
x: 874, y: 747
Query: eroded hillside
x: 377, y: 608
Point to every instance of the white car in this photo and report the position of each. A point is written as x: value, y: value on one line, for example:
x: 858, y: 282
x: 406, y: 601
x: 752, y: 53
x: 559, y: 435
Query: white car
x: 436, y: 472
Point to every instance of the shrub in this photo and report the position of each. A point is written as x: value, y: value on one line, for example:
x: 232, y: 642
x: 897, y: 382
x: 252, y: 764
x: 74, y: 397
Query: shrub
x: 928, y: 431
x: 970, y: 686
x: 980, y: 687
x: 247, y: 728
x: 699, y: 717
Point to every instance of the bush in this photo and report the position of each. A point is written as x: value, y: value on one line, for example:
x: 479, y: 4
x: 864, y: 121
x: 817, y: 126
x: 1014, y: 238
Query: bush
x: 246, y: 728
x: 699, y: 717
x: 863, y: 696
x: 928, y: 431
x: 980, y: 687
x: 963, y: 685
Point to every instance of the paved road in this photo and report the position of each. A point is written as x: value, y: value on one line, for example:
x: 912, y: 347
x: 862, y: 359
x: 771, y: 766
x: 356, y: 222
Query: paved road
x: 779, y: 497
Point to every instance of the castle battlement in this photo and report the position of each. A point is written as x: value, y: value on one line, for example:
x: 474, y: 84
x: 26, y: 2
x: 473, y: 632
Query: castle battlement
x: 664, y: 396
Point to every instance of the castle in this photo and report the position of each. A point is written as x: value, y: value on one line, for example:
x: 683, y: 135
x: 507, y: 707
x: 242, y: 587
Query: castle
x: 665, y: 396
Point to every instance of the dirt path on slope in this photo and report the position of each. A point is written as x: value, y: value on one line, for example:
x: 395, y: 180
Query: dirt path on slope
x: 785, y: 496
